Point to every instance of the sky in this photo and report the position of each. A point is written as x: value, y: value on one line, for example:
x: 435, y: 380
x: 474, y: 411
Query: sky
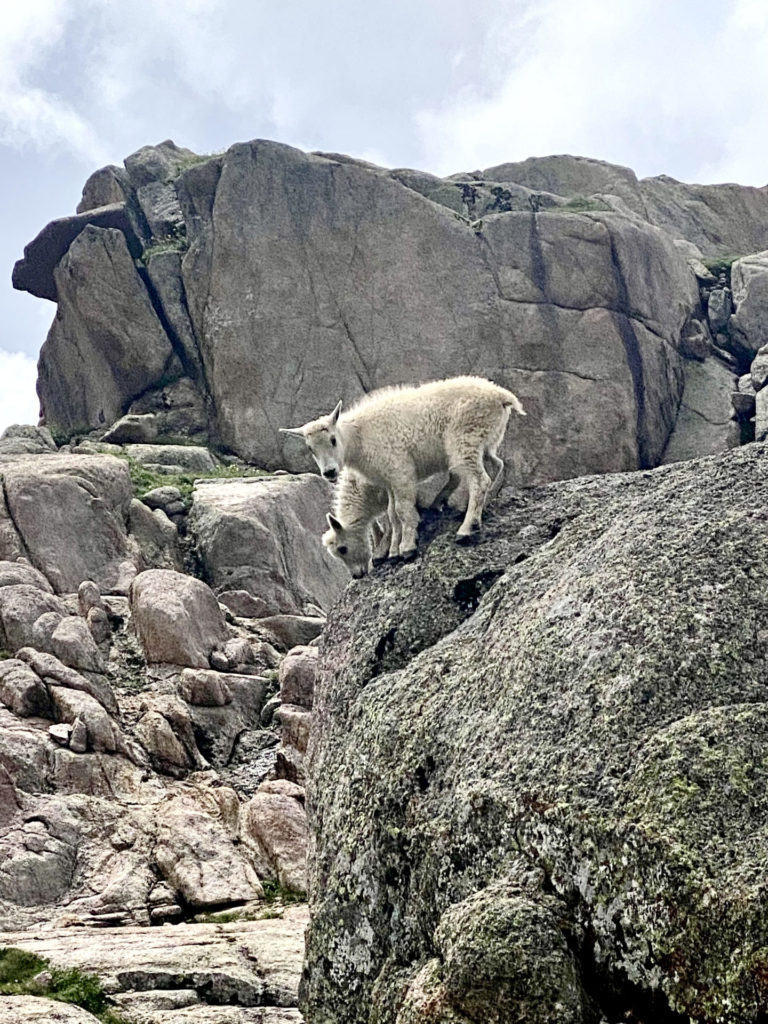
x: 676, y: 87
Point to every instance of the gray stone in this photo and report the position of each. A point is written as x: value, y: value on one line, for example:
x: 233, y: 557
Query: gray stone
x: 293, y: 630
x: 14, y: 573
x: 758, y: 371
x: 260, y: 534
x: 160, y: 206
x: 156, y: 536
x: 743, y: 404
x: 180, y: 406
x: 719, y: 308
x: 743, y: 270
x: 204, y: 688
x: 295, y: 725
x: 106, y: 186
x: 39, y: 1010
x: 551, y: 723
x: 106, y: 345
x: 21, y: 605
x: 183, y: 458
x: 177, y: 618
x: 761, y: 415
x: 86, y: 715
x: 22, y: 691
x: 140, y: 429
x: 244, y: 605
x: 749, y: 324
x: 218, y: 728
x: 22, y: 439
x: 78, y: 740
x: 55, y: 501
x: 60, y: 733
x: 52, y: 670
x: 696, y: 341
x: 36, y: 273
x: 161, y: 497
x: 99, y: 625
x: 276, y: 822
x: 297, y: 676
x: 88, y: 597
x: 162, y: 162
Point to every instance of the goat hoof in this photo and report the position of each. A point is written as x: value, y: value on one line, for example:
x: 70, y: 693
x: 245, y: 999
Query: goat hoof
x: 465, y: 539
x: 408, y: 556
x: 379, y: 560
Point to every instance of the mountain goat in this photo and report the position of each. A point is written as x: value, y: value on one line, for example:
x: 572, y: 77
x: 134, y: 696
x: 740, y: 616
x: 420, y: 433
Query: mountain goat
x: 397, y: 436
x: 357, y: 508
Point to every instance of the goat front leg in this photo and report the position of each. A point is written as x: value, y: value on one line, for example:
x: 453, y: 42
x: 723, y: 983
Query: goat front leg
x: 383, y: 528
x: 408, y: 517
x: 395, y: 531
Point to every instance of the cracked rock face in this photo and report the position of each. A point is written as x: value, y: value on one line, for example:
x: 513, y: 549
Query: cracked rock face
x: 560, y: 278
x: 538, y: 774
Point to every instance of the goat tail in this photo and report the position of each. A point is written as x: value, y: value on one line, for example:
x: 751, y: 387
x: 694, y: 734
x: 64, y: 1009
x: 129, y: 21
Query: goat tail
x: 510, y: 401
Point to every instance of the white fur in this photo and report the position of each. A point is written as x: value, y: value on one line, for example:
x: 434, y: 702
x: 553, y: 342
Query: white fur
x: 397, y: 436
x: 359, y: 512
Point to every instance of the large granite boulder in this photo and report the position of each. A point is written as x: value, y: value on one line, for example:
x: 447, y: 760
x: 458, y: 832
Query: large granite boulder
x: 550, y: 276
x: 106, y: 345
x: 68, y: 515
x: 580, y: 315
x: 261, y: 535
x: 537, y: 778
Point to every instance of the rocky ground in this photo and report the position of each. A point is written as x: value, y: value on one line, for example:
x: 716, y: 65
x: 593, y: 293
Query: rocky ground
x: 539, y: 769
x: 163, y: 593
x: 153, y: 731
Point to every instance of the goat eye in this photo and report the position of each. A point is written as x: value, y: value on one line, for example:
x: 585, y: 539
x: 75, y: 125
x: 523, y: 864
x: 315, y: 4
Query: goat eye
x: 342, y: 549
x: 333, y: 442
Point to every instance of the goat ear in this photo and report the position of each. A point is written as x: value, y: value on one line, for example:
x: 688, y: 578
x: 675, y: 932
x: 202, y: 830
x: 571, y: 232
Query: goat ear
x: 335, y: 414
x: 334, y: 523
x: 293, y: 431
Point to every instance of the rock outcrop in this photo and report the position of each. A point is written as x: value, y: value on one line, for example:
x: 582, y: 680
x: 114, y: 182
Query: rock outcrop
x: 537, y: 779
x: 562, y: 278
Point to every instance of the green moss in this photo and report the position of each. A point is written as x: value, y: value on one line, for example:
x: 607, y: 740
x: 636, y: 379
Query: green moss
x: 580, y: 204
x: 722, y: 264
x: 18, y: 969
x: 144, y: 479
x: 276, y: 893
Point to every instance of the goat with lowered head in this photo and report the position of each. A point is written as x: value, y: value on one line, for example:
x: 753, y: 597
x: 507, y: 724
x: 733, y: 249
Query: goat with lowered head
x: 397, y: 436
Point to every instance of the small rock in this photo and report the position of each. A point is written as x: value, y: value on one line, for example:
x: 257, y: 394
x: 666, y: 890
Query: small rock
x: 204, y: 688
x: 297, y: 676
x: 78, y: 741
x: 245, y: 605
x: 60, y: 732
x: 293, y: 630
x: 269, y: 709
x: 162, y: 497
x: 98, y: 623
x: 88, y: 596
x: 133, y: 429
x: 219, y: 661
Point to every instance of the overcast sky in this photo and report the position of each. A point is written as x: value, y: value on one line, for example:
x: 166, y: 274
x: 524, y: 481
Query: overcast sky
x: 678, y: 87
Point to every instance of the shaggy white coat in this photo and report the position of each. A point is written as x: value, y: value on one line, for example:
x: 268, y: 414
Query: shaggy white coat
x: 397, y: 436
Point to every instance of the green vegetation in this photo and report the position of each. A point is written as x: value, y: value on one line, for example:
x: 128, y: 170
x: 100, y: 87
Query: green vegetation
x: 276, y: 893
x: 176, y: 241
x: 144, y: 479
x: 722, y: 264
x: 580, y: 204
x: 5, y: 654
x: 19, y: 968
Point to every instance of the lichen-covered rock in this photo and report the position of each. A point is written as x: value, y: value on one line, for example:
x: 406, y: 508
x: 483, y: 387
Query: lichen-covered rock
x: 563, y: 730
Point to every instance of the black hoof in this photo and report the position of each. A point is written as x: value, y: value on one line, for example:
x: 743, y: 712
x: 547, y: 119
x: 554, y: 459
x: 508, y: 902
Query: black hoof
x: 465, y: 539
x: 408, y: 556
x: 379, y: 560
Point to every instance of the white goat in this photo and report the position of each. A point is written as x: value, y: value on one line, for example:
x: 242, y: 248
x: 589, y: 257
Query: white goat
x: 397, y: 436
x: 358, y: 519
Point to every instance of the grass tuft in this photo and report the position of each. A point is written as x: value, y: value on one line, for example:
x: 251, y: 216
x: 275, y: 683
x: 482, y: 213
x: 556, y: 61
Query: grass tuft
x: 19, y: 968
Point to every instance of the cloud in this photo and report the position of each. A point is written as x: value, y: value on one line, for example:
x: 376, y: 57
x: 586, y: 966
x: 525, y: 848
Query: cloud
x: 672, y: 88
x: 31, y: 34
x: 18, y: 400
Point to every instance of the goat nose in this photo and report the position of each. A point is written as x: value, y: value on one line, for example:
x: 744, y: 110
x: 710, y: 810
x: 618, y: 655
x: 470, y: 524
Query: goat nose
x: 329, y: 474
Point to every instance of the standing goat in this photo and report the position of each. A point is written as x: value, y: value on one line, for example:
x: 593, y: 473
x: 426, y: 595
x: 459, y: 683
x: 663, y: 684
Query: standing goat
x: 397, y: 436
x: 357, y: 508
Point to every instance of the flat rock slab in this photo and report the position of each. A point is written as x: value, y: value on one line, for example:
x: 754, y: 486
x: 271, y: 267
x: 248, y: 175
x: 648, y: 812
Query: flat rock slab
x: 254, y: 964
x: 34, y: 1010
x: 262, y: 535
